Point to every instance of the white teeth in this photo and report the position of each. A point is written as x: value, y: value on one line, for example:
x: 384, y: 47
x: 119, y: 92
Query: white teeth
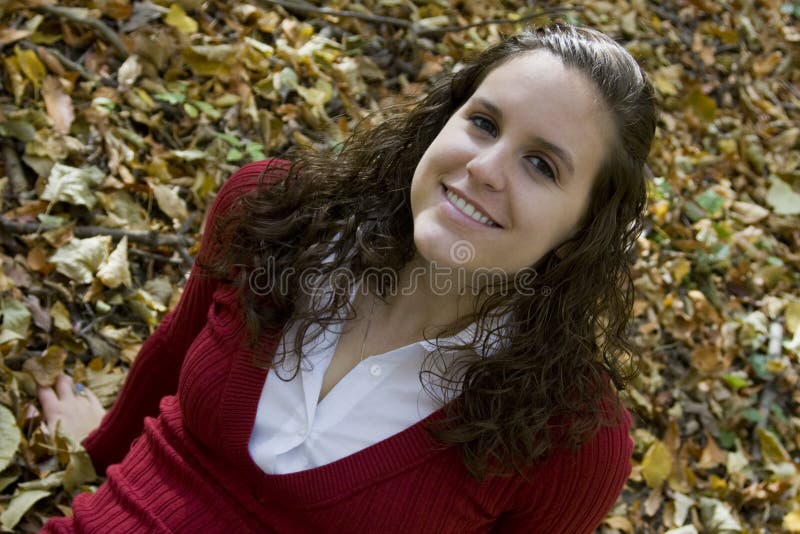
x: 468, y: 209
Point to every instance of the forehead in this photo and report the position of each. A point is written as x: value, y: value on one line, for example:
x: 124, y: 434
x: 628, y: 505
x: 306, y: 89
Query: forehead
x: 541, y: 74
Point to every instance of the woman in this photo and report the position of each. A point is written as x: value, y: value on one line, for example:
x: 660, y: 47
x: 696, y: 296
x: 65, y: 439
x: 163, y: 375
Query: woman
x: 420, y: 332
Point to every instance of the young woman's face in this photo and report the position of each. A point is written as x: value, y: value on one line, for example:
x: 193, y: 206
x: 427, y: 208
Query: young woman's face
x: 522, y: 151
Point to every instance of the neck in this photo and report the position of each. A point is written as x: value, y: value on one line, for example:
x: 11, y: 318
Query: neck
x: 427, y: 296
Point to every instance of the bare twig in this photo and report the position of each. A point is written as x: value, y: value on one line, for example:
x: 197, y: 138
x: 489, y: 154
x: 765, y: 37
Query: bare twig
x: 150, y: 238
x: 449, y: 29
x: 155, y: 257
x: 415, y: 27
x: 74, y: 14
x: 306, y: 8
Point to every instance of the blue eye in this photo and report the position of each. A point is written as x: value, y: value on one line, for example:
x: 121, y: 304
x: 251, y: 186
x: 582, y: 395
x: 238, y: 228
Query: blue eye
x: 484, y: 124
x: 543, y: 167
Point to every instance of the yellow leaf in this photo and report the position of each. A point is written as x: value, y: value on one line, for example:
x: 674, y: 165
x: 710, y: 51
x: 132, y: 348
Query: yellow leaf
x: 704, y: 107
x: 60, y: 316
x: 178, y: 19
x: 771, y: 448
x: 792, y: 315
x: 30, y: 65
x: 656, y: 464
x: 791, y: 521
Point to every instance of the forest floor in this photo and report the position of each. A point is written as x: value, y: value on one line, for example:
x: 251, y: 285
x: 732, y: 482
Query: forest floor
x: 120, y: 119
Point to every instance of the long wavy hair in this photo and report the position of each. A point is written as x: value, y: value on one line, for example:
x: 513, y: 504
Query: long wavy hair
x: 563, y: 347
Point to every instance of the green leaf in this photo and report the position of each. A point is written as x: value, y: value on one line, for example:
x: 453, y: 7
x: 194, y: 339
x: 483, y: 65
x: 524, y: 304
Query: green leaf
x: 711, y: 202
x: 206, y: 108
x: 231, y: 140
x: 234, y: 154
x: 736, y: 381
x: 191, y: 110
x: 171, y: 98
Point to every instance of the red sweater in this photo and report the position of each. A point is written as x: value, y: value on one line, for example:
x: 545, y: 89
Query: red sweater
x: 182, y: 464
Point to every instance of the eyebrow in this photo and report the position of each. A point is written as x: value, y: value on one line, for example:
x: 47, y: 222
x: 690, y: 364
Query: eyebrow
x: 549, y: 146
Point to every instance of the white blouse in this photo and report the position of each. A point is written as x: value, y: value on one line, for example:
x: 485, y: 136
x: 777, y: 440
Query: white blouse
x: 378, y: 398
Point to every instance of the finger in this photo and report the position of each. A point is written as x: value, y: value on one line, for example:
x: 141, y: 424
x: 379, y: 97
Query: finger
x: 64, y: 386
x: 47, y: 397
x: 92, y: 397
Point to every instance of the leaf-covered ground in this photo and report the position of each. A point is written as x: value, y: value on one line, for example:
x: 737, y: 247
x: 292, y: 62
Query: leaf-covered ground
x: 119, y: 120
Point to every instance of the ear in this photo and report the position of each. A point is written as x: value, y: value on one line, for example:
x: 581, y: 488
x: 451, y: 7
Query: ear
x: 563, y: 250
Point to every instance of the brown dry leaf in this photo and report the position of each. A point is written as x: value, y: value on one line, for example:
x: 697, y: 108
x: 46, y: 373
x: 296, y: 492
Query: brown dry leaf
x: 47, y: 367
x: 59, y: 104
x: 712, y: 455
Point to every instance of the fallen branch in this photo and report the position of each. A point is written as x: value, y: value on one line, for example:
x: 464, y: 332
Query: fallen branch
x: 307, y: 8
x: 75, y: 15
x: 449, y: 29
x: 155, y: 257
x: 150, y: 238
x: 415, y: 27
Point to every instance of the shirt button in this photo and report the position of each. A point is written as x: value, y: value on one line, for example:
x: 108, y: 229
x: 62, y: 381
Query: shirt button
x: 375, y: 370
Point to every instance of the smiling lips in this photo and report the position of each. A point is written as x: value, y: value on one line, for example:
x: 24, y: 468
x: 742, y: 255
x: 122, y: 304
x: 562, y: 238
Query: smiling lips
x: 469, y: 209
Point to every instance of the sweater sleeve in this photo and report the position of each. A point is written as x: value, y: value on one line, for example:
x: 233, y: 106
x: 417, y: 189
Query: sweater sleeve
x: 572, y: 493
x: 155, y: 370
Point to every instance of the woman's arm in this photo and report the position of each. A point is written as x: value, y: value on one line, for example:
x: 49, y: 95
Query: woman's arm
x: 573, y: 492
x: 154, y: 373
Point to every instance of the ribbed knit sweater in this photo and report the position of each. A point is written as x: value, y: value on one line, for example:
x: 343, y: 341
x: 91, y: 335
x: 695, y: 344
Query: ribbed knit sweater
x: 174, y: 447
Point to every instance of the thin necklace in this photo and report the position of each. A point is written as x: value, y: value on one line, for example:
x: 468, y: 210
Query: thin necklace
x: 369, y: 321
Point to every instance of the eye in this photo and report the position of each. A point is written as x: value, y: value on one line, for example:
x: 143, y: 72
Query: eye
x: 484, y: 124
x: 543, y: 167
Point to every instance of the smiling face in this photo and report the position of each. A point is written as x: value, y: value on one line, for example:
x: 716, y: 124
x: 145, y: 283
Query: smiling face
x: 523, y: 152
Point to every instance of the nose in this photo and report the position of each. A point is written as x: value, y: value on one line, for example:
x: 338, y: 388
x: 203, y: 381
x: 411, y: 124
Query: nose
x: 488, y: 167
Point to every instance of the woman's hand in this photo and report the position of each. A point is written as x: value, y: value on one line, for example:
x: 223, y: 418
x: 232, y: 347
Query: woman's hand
x: 75, y: 406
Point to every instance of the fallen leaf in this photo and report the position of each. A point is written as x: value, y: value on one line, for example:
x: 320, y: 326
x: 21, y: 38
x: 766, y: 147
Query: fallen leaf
x: 656, y: 464
x: 80, y: 258
x: 717, y: 517
x: 782, y: 197
x: 115, y: 270
x: 30, y: 65
x: 16, y: 320
x: 10, y: 437
x: 60, y: 316
x: 47, y: 367
x: 73, y: 185
x: 20, y: 503
x: 58, y: 104
x: 791, y: 521
x: 178, y: 19
x: 169, y: 201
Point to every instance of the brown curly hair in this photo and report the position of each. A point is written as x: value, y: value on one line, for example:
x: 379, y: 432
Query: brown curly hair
x: 559, y: 354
